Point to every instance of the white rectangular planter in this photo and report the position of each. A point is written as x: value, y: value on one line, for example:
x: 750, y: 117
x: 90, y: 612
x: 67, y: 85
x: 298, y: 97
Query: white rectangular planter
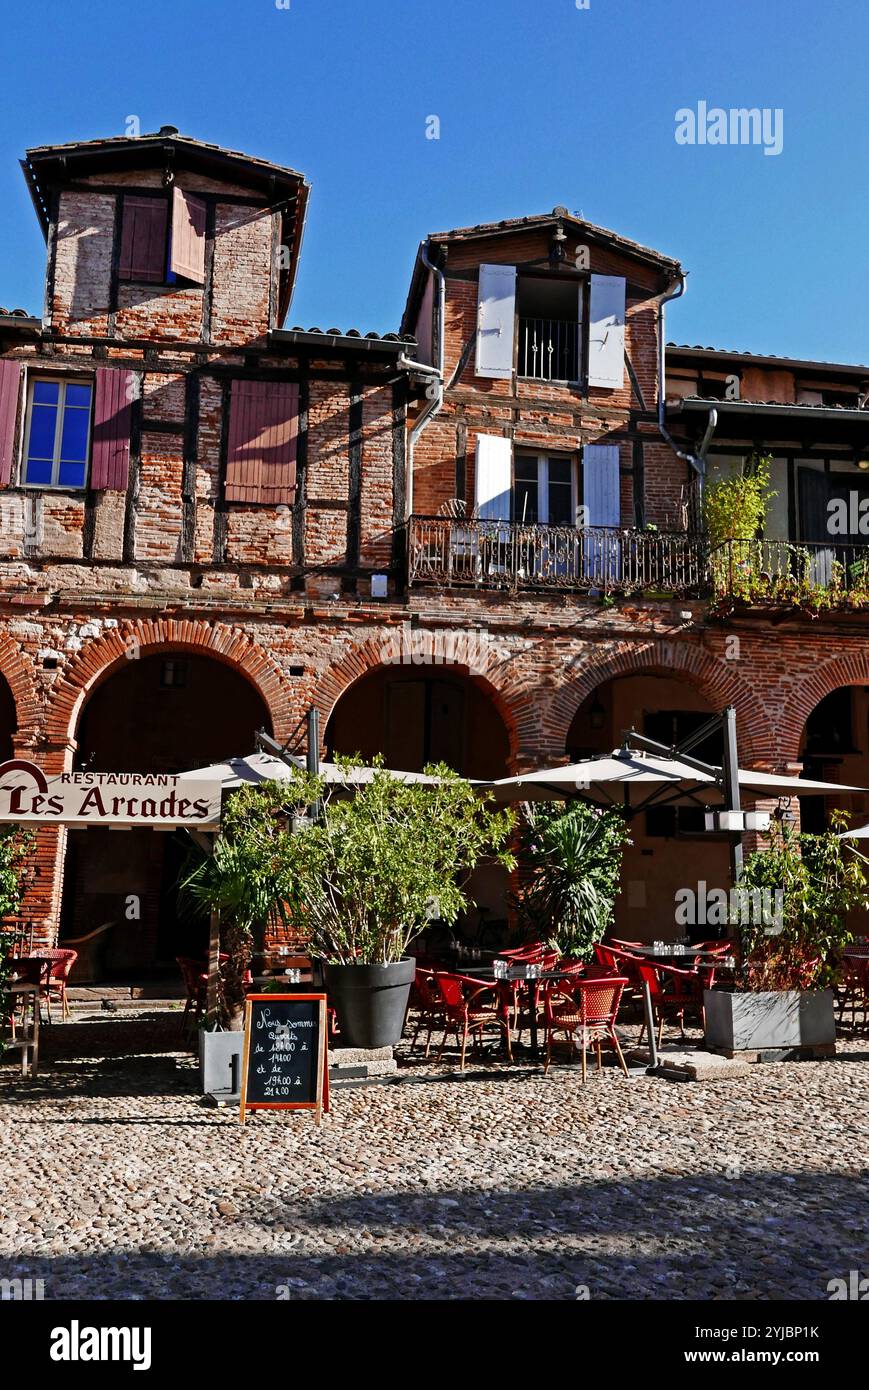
x: 770, y: 1019
x: 220, y: 1062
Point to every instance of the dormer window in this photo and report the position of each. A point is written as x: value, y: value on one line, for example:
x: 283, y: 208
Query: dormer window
x: 550, y: 316
x: 157, y: 249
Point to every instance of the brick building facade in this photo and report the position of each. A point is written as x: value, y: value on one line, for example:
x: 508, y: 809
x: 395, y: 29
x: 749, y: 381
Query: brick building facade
x: 211, y: 523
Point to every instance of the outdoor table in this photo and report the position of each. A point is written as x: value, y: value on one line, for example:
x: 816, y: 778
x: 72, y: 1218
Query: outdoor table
x: 516, y: 974
x: 45, y: 963
x: 28, y: 1044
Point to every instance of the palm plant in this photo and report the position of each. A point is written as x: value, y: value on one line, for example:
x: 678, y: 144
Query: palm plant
x: 573, y: 859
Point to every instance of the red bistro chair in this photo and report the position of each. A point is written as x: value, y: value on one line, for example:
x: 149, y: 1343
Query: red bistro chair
x: 466, y: 1014
x: 674, y: 992
x: 49, y: 969
x: 428, y: 1003
x: 586, y: 1011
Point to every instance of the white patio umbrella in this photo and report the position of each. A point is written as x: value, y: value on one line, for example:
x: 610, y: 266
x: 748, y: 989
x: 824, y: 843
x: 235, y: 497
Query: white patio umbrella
x: 634, y: 779
x: 264, y: 767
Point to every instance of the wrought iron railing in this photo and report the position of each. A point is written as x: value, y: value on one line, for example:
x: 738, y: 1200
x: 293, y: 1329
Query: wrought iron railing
x: 807, y: 574
x: 508, y: 555
x: 549, y: 349
x: 753, y: 573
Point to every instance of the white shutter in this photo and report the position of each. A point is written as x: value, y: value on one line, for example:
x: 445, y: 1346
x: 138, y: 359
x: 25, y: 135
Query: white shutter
x: 606, y: 331
x: 496, y: 312
x: 494, y: 477
x: 600, y: 484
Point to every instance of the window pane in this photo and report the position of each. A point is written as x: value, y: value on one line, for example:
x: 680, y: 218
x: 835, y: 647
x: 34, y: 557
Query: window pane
x: 559, y: 471
x: 78, y: 394
x: 560, y: 511
x: 71, y: 475
x: 525, y: 501
x: 74, y: 439
x: 46, y: 392
x: 38, y: 471
x: 43, y: 419
x: 526, y: 468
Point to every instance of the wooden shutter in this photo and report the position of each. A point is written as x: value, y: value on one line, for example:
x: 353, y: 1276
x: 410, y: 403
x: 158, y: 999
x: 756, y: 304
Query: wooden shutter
x: 113, y: 399
x: 187, y: 257
x: 143, y: 239
x: 261, y: 447
x: 493, y: 481
x: 606, y: 332
x: 600, y: 484
x: 496, y: 313
x: 10, y: 389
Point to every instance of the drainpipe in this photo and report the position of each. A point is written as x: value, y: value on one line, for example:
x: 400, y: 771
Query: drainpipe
x: 435, y: 373
x: 698, y: 459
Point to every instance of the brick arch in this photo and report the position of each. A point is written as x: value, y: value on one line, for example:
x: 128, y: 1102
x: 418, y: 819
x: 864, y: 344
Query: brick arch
x: 17, y: 670
x: 103, y: 655
x: 368, y: 657
x: 715, y: 680
x: 821, y: 680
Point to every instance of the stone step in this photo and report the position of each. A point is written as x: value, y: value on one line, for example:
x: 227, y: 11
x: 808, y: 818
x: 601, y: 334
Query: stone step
x: 692, y: 1064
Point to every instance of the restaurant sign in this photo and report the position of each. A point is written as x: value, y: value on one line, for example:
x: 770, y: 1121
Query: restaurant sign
x: 106, y: 798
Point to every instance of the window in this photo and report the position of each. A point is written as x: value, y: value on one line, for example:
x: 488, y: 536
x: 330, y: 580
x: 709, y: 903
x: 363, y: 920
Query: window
x: 162, y: 239
x: 58, y: 433
x: 549, y: 314
x: 173, y: 675
x: 544, y: 490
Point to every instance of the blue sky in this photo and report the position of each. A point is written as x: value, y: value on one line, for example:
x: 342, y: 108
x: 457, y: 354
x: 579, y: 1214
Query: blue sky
x: 539, y: 103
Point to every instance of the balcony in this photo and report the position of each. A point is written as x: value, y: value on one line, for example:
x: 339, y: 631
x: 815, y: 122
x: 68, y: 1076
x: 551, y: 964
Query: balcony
x: 757, y: 574
x: 548, y: 349
x: 508, y: 555
x: 808, y: 577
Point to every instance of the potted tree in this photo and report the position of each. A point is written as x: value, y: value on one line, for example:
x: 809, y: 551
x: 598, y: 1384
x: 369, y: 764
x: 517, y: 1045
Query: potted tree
x: 573, y: 861
x: 240, y: 881
x: 791, y: 916
x: 366, y: 876
x: 359, y: 883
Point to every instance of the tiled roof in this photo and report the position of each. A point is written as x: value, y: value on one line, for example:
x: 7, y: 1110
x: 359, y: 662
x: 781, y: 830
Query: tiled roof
x: 770, y: 357
x: 166, y: 135
x: 15, y: 313
x: 777, y: 405
x: 354, y: 333
x: 542, y: 219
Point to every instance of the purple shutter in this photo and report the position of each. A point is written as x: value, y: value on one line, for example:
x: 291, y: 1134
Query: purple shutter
x: 261, y: 447
x: 143, y: 239
x: 110, y: 463
x: 10, y: 383
x: 187, y: 257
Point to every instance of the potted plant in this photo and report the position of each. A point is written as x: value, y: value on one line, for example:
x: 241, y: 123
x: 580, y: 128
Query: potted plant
x: 364, y: 879
x: 14, y: 846
x: 358, y: 883
x: 240, y: 881
x: 573, y: 861
x: 791, y: 916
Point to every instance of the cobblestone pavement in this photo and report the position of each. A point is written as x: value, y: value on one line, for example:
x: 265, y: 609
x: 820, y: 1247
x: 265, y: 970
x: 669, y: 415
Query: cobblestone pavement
x: 116, y: 1182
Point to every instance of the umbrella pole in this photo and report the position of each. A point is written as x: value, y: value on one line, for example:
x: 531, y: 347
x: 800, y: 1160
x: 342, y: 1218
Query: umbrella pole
x: 731, y: 791
x: 211, y: 994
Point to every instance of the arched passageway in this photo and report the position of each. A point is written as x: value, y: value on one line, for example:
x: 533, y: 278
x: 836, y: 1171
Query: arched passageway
x: 425, y: 714
x: 165, y: 712
x: 670, y: 850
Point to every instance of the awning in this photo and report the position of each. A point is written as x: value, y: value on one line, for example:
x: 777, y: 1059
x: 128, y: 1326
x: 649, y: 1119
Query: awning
x: 264, y: 767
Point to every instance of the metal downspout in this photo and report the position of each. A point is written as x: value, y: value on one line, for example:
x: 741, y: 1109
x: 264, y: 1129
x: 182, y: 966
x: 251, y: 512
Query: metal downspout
x: 436, y: 374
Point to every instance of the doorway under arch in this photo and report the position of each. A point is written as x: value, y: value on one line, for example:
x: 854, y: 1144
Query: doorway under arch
x: 168, y: 711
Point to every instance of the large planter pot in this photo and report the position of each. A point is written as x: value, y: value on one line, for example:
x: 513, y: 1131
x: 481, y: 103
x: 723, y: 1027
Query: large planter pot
x: 770, y: 1019
x: 371, y: 1001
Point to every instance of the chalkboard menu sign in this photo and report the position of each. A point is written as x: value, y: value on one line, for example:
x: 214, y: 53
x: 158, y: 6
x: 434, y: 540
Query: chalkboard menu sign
x: 284, y: 1065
